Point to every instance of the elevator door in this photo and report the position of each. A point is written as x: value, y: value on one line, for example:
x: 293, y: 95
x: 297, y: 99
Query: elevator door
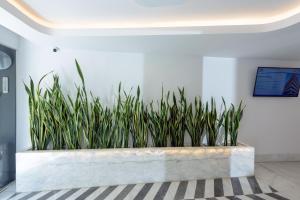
x: 7, y: 114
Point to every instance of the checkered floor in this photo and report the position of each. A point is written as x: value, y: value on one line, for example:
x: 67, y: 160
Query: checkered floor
x: 213, y: 189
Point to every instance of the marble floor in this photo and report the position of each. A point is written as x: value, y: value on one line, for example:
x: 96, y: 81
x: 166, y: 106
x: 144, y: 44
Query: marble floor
x: 283, y: 176
x: 7, y: 191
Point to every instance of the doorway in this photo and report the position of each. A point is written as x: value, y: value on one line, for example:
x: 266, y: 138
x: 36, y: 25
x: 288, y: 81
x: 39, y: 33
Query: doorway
x: 7, y: 115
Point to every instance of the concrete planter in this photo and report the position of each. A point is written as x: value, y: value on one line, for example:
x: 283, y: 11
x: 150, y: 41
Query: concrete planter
x: 52, y: 170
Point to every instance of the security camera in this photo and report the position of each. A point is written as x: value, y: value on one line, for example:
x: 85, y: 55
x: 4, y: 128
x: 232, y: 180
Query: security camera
x: 56, y: 49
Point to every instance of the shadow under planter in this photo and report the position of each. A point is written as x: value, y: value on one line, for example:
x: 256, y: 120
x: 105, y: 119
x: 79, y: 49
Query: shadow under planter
x: 65, y: 169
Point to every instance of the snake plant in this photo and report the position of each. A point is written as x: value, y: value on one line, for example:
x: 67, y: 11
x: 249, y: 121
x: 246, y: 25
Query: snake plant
x: 232, y: 120
x: 38, y: 115
x: 126, y: 117
x: 61, y: 121
x: 195, y: 121
x: 214, y: 122
x: 58, y: 109
x: 159, y: 125
x: 140, y: 122
x: 177, y: 125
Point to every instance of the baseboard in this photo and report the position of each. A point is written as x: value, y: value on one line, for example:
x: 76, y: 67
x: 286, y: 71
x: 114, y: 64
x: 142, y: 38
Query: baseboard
x: 277, y: 157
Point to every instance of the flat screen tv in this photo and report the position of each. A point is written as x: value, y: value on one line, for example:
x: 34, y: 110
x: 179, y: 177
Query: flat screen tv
x: 277, y: 82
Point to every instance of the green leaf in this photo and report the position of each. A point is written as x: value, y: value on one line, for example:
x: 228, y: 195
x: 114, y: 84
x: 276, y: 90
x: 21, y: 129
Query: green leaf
x: 79, y: 72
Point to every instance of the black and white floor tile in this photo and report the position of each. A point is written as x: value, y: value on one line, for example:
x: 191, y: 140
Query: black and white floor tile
x: 243, y: 188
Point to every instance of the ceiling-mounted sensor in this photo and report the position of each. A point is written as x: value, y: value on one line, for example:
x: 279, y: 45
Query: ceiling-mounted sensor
x: 55, y: 49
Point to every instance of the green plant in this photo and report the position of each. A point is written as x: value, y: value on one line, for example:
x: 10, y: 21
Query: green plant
x: 59, y: 121
x: 232, y: 119
x: 96, y: 110
x: 77, y: 118
x: 195, y: 121
x: 56, y: 112
x: 226, y: 123
x: 122, y: 114
x: 117, y: 136
x: 39, y: 132
x: 158, y: 125
x: 126, y: 117
x: 177, y: 125
x: 83, y: 114
x: 72, y: 121
x: 139, y: 122
x: 104, y: 138
x: 213, y: 122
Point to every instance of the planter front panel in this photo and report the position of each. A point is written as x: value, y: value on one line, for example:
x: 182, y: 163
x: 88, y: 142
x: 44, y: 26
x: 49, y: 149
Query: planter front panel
x: 51, y: 170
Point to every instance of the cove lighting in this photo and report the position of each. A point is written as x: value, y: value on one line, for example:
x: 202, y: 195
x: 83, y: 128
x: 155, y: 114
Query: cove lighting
x: 175, y: 24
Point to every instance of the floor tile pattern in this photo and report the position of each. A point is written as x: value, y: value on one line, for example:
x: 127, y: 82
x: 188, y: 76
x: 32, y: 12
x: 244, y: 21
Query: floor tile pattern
x: 242, y: 188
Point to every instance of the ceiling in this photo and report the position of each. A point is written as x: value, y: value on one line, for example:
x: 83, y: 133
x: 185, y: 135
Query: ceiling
x: 154, y: 17
x: 118, y: 13
x: 147, y: 26
x: 282, y: 44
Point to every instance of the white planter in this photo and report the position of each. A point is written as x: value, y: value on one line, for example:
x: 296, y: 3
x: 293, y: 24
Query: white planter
x: 52, y: 170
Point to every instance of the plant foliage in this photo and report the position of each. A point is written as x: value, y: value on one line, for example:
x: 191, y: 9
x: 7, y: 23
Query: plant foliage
x: 61, y: 121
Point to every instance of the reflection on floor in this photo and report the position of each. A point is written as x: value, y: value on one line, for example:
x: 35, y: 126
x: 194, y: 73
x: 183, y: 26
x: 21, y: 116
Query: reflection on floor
x: 7, y: 191
x: 284, y: 176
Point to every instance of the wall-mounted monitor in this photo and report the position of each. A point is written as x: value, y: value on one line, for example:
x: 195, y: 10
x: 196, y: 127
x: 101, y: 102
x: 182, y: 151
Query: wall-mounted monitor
x: 277, y: 82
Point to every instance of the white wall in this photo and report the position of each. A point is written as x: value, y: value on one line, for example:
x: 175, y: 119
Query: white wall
x: 103, y: 72
x: 270, y: 124
x: 219, y: 79
x: 8, y: 38
x: 171, y: 72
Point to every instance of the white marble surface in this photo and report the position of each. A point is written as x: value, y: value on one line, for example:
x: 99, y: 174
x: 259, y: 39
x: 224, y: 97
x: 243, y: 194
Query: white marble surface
x: 50, y: 170
x: 8, y: 191
x: 283, y: 176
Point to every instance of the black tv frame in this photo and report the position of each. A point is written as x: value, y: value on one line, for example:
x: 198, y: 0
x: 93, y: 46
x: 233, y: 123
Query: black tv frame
x: 254, y: 95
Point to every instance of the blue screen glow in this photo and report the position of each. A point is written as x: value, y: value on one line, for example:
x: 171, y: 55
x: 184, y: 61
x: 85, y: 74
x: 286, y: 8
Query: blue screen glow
x: 276, y: 81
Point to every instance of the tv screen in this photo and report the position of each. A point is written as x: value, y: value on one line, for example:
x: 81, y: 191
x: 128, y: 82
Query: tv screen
x: 277, y: 81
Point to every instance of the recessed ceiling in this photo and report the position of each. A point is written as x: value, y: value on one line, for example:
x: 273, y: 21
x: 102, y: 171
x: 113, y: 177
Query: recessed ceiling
x: 69, y: 22
x: 281, y: 44
x: 132, y: 13
x: 196, y: 16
